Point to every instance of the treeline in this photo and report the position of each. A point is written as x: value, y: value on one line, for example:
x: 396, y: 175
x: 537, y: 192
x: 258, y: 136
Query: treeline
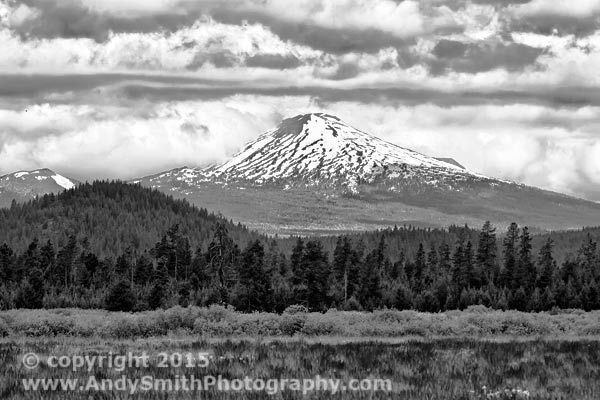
x: 262, y: 277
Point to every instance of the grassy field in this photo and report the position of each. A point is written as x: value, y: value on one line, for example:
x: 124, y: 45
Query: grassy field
x: 416, y: 368
x: 474, y: 354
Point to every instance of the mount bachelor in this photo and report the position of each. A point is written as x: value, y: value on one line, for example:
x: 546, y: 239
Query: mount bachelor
x: 315, y: 174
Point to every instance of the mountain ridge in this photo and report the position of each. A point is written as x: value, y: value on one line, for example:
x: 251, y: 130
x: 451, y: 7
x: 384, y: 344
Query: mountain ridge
x: 24, y: 185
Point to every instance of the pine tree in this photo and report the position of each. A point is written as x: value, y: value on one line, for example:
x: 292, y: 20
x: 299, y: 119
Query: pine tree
x: 467, y: 267
x: 254, y: 287
x: 28, y: 261
x: 343, y: 260
x: 221, y: 256
x: 486, y: 255
x: 6, y: 263
x: 64, y: 261
x: 509, y: 278
x: 547, y: 265
x: 316, y: 276
x: 420, y: 269
x: 31, y: 291
x: 432, y: 267
x: 404, y: 298
x: 298, y: 267
x: 588, y: 259
x: 444, y: 259
x: 121, y: 298
x: 158, y: 291
x: 143, y: 270
x: 122, y: 266
x: 91, y: 264
x: 525, y: 268
x: 47, y: 257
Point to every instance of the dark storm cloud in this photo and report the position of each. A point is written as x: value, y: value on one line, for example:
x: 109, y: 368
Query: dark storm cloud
x: 171, y: 88
x: 449, y: 49
x: 273, y: 61
x: 555, y: 24
x: 223, y: 59
x: 552, y: 97
x: 481, y: 57
x: 19, y: 86
x: 71, y: 19
x: 335, y: 41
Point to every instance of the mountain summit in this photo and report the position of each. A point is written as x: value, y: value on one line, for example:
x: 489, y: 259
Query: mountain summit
x: 319, y: 149
x: 315, y: 174
x: 319, y: 146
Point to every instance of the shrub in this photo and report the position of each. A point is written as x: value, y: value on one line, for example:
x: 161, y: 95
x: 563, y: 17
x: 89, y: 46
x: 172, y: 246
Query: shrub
x: 217, y: 313
x: 394, y: 316
x: 219, y: 328
x: 290, y: 324
x: 269, y: 324
x: 319, y: 324
x: 151, y: 324
x: 180, y: 317
x: 121, y: 328
x: 478, y: 309
x: 296, y: 309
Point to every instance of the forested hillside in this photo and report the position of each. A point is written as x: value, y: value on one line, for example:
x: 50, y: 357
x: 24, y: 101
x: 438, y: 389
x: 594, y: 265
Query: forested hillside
x: 123, y: 247
x: 109, y: 217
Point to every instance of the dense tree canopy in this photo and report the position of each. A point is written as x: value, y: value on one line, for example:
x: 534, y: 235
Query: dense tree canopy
x: 123, y: 247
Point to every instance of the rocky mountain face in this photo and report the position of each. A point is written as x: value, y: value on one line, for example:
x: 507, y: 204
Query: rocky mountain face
x: 25, y: 185
x: 315, y: 174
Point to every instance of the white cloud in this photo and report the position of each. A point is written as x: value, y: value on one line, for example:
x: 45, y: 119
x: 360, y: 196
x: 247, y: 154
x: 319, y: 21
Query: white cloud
x: 108, y: 141
x: 399, y: 18
x: 578, y: 8
x: 22, y: 14
x: 147, y: 51
x: 84, y: 142
x: 132, y: 8
x: 550, y: 147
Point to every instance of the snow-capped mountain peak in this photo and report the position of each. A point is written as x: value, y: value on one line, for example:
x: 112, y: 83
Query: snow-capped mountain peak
x: 320, y: 146
x: 314, y: 173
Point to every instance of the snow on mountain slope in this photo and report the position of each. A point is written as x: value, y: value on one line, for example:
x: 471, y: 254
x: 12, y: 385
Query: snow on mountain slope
x: 64, y: 182
x: 317, y: 149
x: 314, y: 146
x: 24, y: 185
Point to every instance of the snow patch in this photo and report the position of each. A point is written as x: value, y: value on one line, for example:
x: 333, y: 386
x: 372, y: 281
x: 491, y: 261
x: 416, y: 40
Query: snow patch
x: 62, y: 181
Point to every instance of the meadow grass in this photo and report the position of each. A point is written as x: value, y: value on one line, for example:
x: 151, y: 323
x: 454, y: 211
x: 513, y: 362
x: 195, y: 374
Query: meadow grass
x: 472, y: 355
x: 418, y: 368
x: 219, y: 321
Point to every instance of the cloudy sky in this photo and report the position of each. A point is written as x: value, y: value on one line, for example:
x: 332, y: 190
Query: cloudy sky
x: 125, y: 88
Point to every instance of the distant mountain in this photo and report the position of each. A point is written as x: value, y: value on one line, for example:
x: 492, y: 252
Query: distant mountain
x: 315, y: 174
x: 25, y: 185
